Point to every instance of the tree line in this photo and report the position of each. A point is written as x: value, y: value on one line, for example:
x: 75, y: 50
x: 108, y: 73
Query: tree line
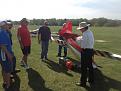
x: 94, y: 22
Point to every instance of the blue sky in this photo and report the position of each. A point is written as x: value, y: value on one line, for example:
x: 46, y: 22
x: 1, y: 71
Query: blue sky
x: 42, y: 9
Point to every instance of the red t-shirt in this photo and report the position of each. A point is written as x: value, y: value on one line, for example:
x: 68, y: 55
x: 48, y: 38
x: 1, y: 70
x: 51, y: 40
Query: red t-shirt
x: 24, y: 33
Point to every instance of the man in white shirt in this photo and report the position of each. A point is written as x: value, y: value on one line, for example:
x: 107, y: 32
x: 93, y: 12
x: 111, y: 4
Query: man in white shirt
x: 87, y: 43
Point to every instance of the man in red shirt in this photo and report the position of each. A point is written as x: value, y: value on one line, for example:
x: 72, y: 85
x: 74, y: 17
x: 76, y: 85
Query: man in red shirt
x: 23, y: 35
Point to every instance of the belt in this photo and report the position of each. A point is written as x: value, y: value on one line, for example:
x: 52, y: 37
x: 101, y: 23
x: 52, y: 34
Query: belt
x: 87, y: 48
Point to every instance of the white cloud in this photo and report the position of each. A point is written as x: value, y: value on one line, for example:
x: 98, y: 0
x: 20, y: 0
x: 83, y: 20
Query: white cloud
x: 17, y: 9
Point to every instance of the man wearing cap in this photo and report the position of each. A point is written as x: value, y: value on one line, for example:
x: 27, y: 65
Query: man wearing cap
x: 87, y: 43
x: 5, y: 55
x: 10, y: 25
x: 23, y: 35
x: 44, y: 35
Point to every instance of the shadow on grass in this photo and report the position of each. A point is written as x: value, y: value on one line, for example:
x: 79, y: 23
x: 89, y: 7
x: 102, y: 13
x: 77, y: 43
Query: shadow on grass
x: 16, y: 83
x: 36, y: 82
x: 103, y: 83
x: 57, y: 68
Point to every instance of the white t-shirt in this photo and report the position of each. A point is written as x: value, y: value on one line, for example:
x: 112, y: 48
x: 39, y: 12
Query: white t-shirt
x: 87, y: 40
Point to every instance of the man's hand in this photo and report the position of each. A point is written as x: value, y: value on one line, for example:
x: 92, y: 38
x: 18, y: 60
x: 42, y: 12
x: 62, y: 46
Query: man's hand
x: 9, y: 56
x: 22, y: 47
x: 50, y: 41
x: 39, y: 41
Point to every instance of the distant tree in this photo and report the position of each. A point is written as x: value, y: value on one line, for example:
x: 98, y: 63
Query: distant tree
x: 59, y: 22
x: 52, y: 22
x: 98, y: 21
x: 112, y: 23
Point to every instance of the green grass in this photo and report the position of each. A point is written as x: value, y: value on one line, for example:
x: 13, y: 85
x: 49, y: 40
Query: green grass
x: 49, y: 76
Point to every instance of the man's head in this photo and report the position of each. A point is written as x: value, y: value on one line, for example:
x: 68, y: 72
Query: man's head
x: 83, y: 26
x: 45, y: 22
x: 24, y: 21
x: 10, y: 24
x: 65, y: 19
x: 4, y: 25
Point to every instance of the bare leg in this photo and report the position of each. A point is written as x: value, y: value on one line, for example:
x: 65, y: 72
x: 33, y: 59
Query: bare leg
x: 25, y: 59
x: 6, y: 78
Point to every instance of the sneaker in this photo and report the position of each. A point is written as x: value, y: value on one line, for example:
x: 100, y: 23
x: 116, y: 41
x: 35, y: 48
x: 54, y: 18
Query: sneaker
x: 42, y: 58
x: 15, y: 71
x: 91, y: 83
x: 64, y: 56
x: 58, y: 55
x: 80, y: 84
x: 22, y: 63
x: 46, y: 58
x: 6, y: 88
x: 26, y: 67
x: 4, y: 85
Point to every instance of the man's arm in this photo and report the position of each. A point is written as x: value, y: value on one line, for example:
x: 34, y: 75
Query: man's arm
x: 19, y: 39
x: 51, y: 38
x: 39, y: 36
x: 4, y: 49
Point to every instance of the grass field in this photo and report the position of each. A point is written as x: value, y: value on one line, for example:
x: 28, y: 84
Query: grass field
x: 49, y: 76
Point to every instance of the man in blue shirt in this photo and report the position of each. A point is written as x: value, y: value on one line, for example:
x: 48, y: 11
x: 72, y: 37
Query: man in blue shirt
x: 14, y: 70
x: 5, y: 54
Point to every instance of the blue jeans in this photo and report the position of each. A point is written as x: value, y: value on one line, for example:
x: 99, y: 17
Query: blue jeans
x: 60, y: 50
x: 44, y: 47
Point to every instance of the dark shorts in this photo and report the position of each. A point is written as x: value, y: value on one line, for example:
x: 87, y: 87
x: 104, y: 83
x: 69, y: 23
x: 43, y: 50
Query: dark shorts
x: 6, y: 66
x: 26, y: 50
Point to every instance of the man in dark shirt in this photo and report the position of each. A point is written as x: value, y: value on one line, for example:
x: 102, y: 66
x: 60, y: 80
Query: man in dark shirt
x: 44, y: 35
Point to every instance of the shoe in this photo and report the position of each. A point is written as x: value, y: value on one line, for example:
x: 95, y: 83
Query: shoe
x: 64, y: 56
x: 26, y: 67
x: 42, y: 58
x: 15, y: 71
x: 4, y: 85
x: 80, y: 84
x: 91, y: 83
x: 6, y: 88
x: 58, y: 56
x: 22, y: 63
x: 46, y: 59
